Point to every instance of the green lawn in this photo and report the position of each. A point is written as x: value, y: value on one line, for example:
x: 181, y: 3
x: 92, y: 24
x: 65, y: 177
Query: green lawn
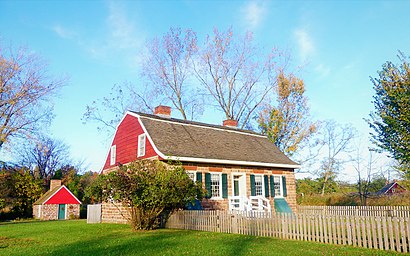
x: 78, y: 238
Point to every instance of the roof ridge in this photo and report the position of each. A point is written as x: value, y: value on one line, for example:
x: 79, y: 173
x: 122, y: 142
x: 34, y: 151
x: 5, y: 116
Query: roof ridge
x: 196, y: 123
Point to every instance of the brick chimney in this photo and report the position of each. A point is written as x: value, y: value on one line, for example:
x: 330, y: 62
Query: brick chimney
x: 54, y: 184
x: 230, y: 123
x: 163, y: 111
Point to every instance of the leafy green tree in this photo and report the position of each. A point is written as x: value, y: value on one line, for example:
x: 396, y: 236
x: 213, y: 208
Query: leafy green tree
x: 25, y: 192
x: 307, y: 186
x: 149, y: 189
x: 288, y: 124
x: 377, y: 183
x: 391, y: 119
x: 18, y: 191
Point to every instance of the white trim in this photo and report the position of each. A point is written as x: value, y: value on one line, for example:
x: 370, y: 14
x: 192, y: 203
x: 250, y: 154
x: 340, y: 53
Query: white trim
x: 65, y: 211
x: 280, y: 185
x: 39, y: 210
x: 193, y: 172
x: 201, y: 160
x: 140, y: 152
x: 63, y: 186
x: 242, y: 183
x: 263, y: 184
x: 220, y: 187
x: 232, y: 162
x: 113, y: 154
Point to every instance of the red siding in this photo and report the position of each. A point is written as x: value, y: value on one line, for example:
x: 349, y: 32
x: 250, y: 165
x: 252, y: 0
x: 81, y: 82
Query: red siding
x: 126, y: 141
x: 62, y: 197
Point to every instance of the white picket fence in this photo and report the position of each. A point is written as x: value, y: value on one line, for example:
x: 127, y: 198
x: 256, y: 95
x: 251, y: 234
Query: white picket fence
x: 390, y: 211
x: 378, y: 232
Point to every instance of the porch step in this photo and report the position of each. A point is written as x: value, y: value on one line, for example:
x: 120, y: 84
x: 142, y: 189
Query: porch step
x: 282, y: 206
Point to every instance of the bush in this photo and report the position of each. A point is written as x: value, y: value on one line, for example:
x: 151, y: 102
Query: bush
x: 150, y: 189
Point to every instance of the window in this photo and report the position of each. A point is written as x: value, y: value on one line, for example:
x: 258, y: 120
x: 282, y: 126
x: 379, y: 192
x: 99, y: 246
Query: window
x: 141, y: 145
x: 216, y: 184
x: 113, y: 154
x: 192, y: 176
x: 258, y: 185
x: 277, y: 184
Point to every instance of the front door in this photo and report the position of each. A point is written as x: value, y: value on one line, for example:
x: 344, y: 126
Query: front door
x: 239, y: 187
x: 61, y: 211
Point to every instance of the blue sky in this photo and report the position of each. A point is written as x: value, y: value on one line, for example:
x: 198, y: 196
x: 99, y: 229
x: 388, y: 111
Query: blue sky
x: 99, y: 44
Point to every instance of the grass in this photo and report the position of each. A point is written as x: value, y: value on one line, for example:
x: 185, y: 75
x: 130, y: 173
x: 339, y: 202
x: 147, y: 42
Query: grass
x: 78, y: 238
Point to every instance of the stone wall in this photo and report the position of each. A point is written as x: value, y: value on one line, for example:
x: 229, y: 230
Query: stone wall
x: 50, y: 211
x: 114, y: 213
x: 73, y: 211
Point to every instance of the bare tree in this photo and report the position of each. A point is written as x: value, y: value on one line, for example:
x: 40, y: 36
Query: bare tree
x: 336, y: 140
x: 365, y: 169
x: 288, y: 124
x: 44, y: 156
x: 168, y: 68
x: 25, y: 93
x: 108, y: 111
x: 235, y: 75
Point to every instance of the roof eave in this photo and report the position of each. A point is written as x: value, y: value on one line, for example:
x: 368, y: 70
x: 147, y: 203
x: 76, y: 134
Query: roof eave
x: 230, y: 162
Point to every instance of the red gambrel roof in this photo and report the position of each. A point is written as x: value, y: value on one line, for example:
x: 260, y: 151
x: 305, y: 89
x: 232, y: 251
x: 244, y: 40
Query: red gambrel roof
x: 59, y: 195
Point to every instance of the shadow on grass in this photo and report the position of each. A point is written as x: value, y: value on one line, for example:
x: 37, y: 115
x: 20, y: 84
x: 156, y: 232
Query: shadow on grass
x: 140, y: 243
x: 160, y: 242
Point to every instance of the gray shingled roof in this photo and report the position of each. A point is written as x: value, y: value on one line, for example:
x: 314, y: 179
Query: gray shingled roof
x: 47, y: 195
x: 179, y: 138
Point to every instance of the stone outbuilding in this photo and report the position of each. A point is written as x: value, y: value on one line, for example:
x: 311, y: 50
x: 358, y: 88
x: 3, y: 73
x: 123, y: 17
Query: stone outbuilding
x: 57, y: 204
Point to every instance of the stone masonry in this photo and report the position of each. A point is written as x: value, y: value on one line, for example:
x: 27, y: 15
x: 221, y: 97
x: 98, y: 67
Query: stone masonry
x: 50, y: 211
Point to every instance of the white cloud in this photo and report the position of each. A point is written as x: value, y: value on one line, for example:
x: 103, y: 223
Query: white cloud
x: 305, y: 43
x: 122, y: 30
x: 63, y: 32
x: 322, y: 70
x: 254, y: 13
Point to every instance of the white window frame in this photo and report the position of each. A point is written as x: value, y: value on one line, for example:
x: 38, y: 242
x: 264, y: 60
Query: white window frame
x: 220, y: 186
x: 263, y: 184
x: 242, y: 183
x: 113, y: 155
x: 194, y: 177
x: 280, y: 186
x: 141, y: 145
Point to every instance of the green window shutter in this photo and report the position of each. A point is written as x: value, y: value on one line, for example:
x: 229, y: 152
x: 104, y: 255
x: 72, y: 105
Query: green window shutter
x: 199, y: 177
x: 208, y: 185
x: 272, y: 187
x: 253, y: 189
x: 285, y: 192
x: 224, y: 185
x: 266, y: 183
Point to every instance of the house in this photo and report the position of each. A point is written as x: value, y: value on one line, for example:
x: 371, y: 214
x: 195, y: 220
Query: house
x: 390, y: 189
x: 57, y: 204
x: 241, y: 170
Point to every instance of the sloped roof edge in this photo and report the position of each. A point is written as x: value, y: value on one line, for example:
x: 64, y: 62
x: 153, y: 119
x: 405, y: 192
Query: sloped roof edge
x: 205, y: 160
x: 49, y: 194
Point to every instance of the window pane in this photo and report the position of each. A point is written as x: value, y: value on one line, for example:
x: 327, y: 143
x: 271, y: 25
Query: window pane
x: 191, y: 175
x: 141, y: 145
x: 276, y: 180
x: 258, y: 185
x: 215, y: 179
